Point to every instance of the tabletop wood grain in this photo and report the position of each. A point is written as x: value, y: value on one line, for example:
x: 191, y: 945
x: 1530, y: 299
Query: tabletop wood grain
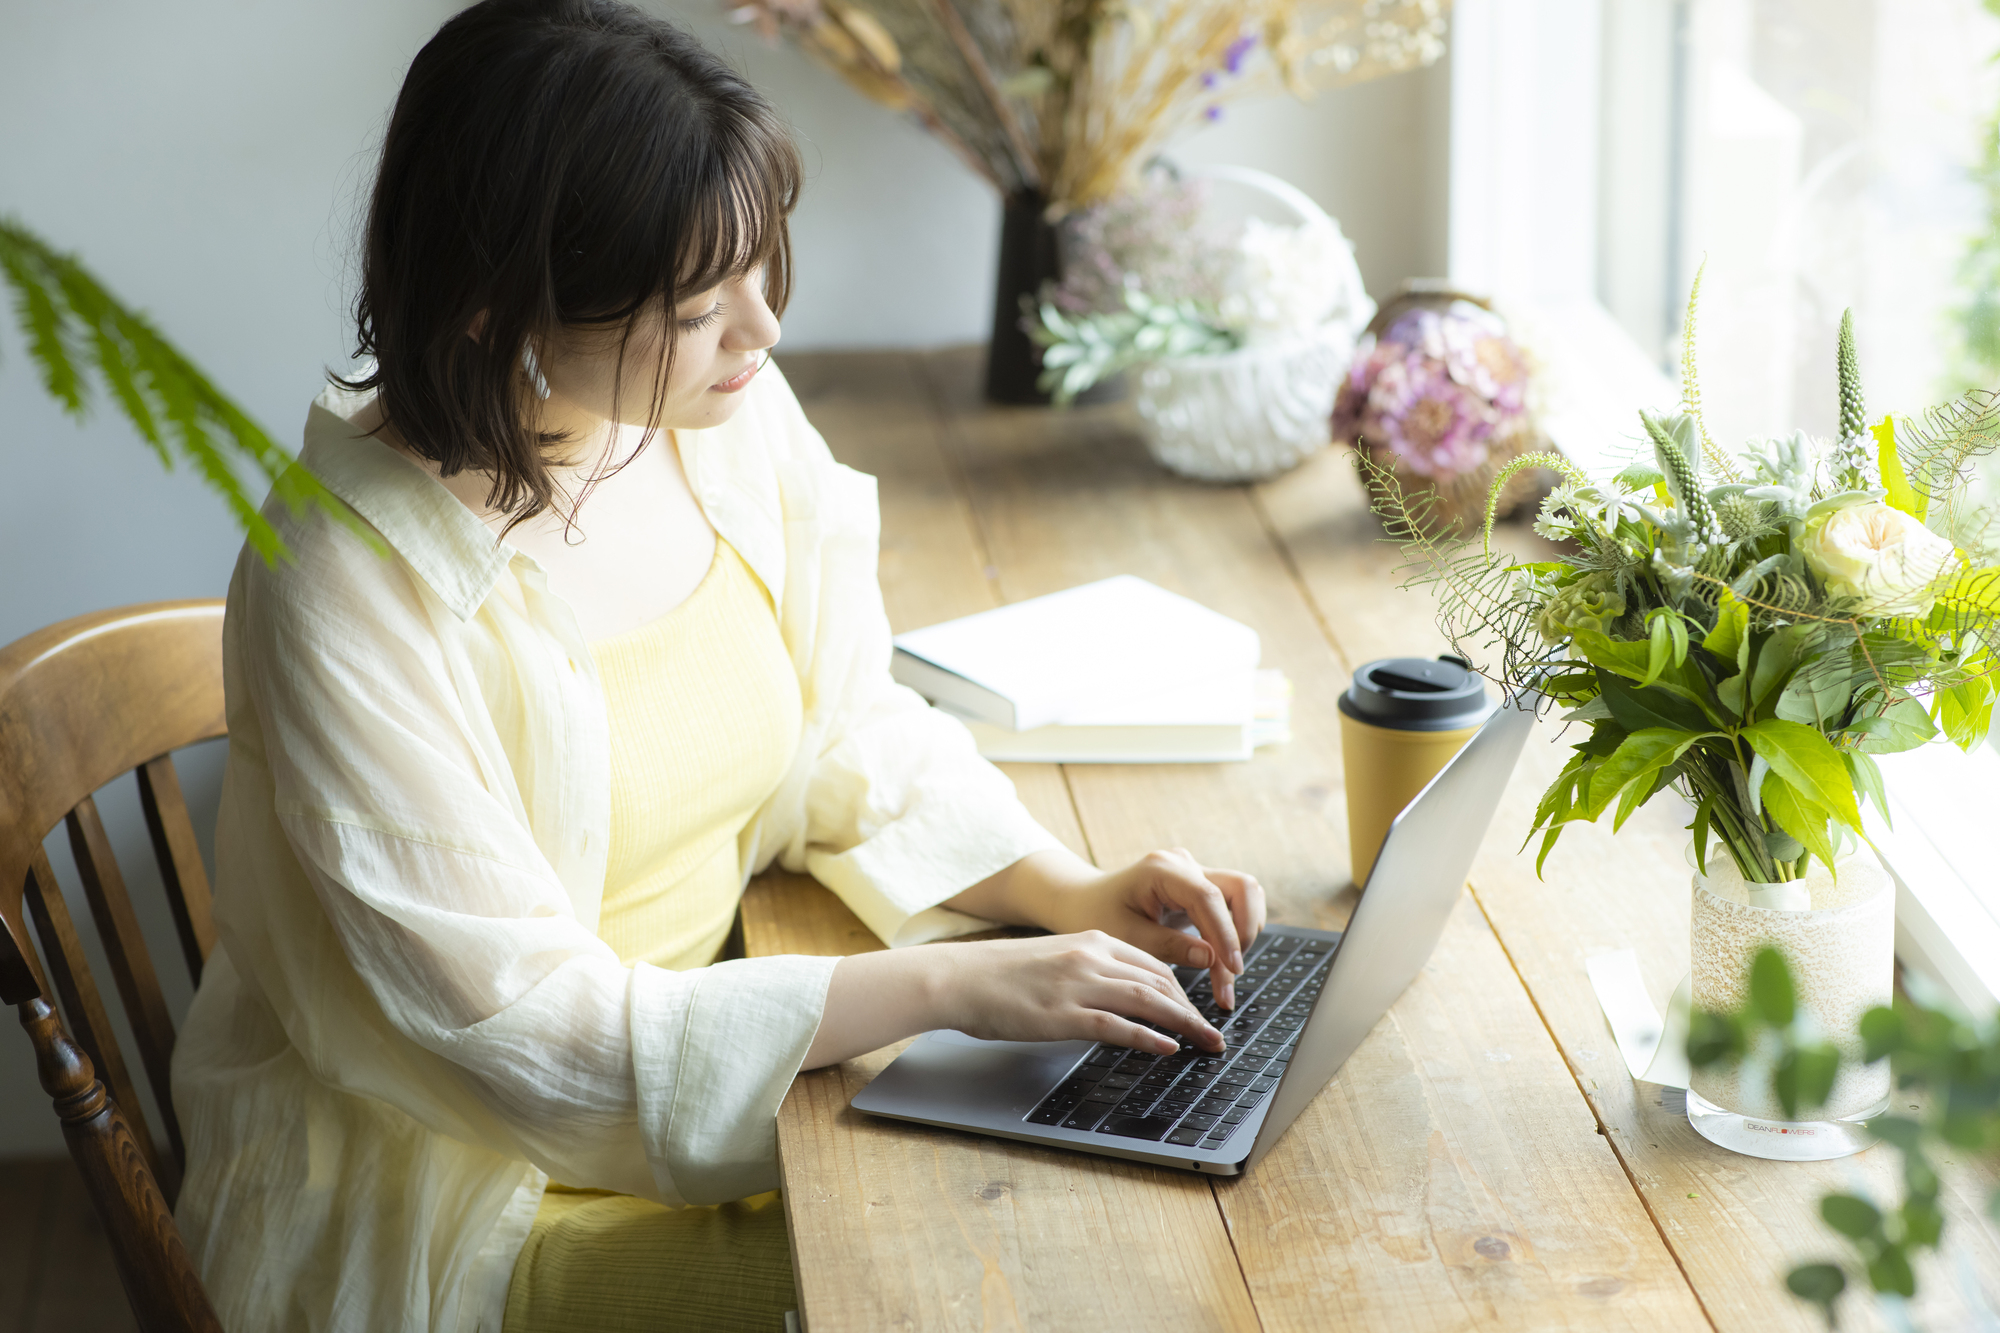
x: 1482, y: 1162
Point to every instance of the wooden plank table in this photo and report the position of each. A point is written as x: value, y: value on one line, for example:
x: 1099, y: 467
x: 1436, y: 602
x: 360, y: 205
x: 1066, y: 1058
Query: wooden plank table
x: 1481, y: 1162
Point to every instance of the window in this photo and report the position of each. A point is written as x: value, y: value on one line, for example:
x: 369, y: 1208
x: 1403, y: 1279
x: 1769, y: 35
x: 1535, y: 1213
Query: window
x: 1819, y: 154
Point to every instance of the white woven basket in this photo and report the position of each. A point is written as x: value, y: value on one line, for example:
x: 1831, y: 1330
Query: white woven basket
x: 1260, y: 410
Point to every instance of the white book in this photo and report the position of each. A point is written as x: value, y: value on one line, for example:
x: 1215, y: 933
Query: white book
x: 1207, y: 722
x: 1072, y: 654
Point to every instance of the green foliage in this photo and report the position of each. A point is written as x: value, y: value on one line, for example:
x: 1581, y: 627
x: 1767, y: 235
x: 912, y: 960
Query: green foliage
x: 72, y: 324
x: 1691, y: 628
x: 1080, y: 350
x: 1942, y: 1062
x: 1853, y: 411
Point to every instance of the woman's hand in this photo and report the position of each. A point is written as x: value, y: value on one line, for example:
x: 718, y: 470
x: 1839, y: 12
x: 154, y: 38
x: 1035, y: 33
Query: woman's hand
x: 1065, y: 987
x: 1064, y: 893
x: 1086, y: 987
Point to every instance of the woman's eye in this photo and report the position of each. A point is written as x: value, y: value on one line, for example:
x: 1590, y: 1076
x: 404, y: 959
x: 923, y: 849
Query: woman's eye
x: 702, y: 321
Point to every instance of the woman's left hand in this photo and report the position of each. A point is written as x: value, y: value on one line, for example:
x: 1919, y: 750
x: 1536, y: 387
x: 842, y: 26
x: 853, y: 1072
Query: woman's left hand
x: 1065, y: 894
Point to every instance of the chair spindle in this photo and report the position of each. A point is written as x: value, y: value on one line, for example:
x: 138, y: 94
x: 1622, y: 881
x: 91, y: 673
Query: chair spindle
x: 179, y: 855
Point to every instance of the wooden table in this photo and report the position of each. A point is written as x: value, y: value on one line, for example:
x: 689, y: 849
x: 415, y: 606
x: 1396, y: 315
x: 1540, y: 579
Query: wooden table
x: 1482, y: 1162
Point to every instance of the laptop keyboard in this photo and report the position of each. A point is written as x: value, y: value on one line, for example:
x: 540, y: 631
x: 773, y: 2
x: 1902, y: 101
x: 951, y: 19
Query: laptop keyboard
x: 1192, y: 1097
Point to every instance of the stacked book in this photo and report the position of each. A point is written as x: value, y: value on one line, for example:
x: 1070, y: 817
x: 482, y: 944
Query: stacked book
x: 1115, y: 672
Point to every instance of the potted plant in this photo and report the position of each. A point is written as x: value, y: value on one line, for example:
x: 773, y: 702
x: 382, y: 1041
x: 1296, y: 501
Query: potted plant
x: 1749, y: 630
x: 1237, y: 336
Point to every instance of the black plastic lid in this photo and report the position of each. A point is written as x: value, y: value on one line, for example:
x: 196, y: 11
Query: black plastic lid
x: 1417, y: 694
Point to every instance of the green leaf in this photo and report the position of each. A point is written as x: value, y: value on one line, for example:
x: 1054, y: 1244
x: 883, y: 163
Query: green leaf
x: 1889, y: 1270
x: 1804, y: 1076
x: 1777, y: 658
x: 1818, y: 1283
x: 1798, y: 817
x: 1923, y: 1223
x: 1804, y: 758
x: 1659, y: 645
x: 1548, y: 845
x: 1965, y: 711
x: 1901, y: 495
x: 1853, y: 1217
x: 1714, y: 1038
x: 1867, y: 777
x: 1903, y: 726
x: 1816, y: 695
x: 1883, y: 1035
x: 1732, y: 629
x: 1642, y: 755
x: 1771, y: 992
x: 1901, y: 1131
x: 1600, y: 650
x: 1699, y: 829
x: 1637, y: 476
x: 1636, y: 709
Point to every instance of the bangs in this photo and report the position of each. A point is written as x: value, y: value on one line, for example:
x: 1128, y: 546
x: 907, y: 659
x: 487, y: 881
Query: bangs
x: 710, y: 211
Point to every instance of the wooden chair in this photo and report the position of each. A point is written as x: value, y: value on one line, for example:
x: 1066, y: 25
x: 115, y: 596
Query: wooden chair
x: 82, y: 703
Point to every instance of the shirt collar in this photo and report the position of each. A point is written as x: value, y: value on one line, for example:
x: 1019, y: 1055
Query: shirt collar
x: 444, y: 542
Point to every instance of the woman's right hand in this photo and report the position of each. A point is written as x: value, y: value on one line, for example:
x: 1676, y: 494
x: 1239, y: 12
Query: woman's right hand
x: 1089, y: 986
x: 1084, y: 987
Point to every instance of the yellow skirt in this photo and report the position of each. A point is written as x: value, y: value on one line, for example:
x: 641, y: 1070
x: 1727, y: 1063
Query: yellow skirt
x: 609, y: 1263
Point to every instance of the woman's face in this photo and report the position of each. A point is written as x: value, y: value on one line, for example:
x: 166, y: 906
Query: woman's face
x: 720, y: 338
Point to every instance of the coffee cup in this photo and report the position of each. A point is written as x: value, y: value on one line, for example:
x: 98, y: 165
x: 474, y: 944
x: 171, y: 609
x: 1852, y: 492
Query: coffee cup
x: 1401, y: 721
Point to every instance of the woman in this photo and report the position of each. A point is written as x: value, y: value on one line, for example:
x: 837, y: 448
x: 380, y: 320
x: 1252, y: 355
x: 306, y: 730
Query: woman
x: 600, y: 639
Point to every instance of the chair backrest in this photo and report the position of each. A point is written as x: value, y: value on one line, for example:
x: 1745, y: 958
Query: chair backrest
x: 81, y: 704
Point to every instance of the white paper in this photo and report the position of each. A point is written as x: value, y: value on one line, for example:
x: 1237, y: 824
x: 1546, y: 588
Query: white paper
x: 1655, y: 1049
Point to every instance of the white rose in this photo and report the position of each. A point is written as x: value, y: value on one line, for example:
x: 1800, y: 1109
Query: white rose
x: 1880, y: 555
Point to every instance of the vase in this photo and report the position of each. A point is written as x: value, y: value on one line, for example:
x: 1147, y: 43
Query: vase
x: 1838, y: 934
x: 1243, y: 415
x: 1030, y: 256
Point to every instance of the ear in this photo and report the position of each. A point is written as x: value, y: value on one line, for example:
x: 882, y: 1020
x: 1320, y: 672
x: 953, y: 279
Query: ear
x: 476, y: 330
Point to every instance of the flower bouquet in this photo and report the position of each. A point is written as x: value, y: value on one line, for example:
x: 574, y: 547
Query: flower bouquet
x: 1750, y: 631
x: 1240, y: 333
x: 1438, y: 395
x: 1056, y: 104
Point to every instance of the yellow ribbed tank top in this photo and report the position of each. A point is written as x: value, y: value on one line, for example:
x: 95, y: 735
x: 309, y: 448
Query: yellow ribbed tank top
x: 705, y: 714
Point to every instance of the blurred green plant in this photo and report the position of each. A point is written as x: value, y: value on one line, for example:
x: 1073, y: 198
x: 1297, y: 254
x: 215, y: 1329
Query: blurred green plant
x: 73, y: 326
x: 1955, y: 1066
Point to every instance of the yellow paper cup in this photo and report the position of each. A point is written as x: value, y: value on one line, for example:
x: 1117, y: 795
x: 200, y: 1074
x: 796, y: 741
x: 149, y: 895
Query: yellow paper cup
x: 1401, y: 721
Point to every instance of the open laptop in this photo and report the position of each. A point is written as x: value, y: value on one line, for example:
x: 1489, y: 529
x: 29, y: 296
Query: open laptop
x: 1305, y: 1002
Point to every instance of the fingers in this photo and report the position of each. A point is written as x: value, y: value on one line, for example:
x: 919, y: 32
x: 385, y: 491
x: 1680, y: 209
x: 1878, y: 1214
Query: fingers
x: 1136, y: 985
x: 1246, y: 901
x: 1181, y: 884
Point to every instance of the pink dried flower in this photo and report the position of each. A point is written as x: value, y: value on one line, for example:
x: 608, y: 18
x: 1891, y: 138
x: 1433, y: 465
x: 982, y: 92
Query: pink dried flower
x: 1437, y: 388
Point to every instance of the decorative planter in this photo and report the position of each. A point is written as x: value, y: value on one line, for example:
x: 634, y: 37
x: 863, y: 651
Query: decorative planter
x: 1839, y: 936
x: 1243, y: 415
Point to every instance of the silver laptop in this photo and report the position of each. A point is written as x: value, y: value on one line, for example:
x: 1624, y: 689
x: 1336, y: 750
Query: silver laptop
x: 1305, y: 1002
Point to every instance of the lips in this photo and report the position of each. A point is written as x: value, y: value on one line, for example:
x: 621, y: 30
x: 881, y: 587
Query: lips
x: 733, y: 384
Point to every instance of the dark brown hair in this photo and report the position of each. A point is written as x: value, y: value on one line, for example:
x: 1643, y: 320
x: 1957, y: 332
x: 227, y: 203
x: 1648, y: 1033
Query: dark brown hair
x: 553, y: 164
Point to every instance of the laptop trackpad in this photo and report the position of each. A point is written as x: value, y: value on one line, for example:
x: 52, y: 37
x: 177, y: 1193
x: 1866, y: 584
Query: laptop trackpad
x: 947, y: 1072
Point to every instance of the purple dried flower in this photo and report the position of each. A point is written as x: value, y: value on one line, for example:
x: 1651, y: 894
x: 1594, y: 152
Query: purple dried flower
x: 1238, y: 49
x: 1213, y: 113
x: 1209, y: 80
x: 1436, y: 388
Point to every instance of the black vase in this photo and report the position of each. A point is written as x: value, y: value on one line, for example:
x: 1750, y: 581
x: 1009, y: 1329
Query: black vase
x: 1028, y: 258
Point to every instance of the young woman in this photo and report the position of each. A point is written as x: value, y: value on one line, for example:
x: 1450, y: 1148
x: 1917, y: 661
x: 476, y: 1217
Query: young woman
x: 600, y: 639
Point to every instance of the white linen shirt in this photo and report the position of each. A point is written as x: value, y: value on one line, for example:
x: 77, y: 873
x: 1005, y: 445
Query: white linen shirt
x: 408, y: 1024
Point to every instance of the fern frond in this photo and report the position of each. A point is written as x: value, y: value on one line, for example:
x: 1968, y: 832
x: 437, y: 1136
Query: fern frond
x: 69, y: 319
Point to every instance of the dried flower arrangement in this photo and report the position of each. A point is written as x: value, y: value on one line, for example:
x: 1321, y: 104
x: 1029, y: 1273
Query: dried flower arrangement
x: 1062, y: 99
x: 1439, y: 396
x: 1056, y: 102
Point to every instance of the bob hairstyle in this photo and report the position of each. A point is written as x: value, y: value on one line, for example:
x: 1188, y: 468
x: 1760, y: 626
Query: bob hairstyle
x: 553, y: 165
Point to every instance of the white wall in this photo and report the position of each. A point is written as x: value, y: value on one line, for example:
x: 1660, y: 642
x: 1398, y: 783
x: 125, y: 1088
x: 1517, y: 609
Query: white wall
x: 206, y: 158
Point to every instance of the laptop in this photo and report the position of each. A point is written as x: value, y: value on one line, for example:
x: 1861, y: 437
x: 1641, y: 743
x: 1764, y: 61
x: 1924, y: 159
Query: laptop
x: 1305, y: 1002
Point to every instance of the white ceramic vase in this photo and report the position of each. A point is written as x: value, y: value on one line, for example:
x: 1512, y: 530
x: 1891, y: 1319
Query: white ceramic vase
x: 1838, y: 934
